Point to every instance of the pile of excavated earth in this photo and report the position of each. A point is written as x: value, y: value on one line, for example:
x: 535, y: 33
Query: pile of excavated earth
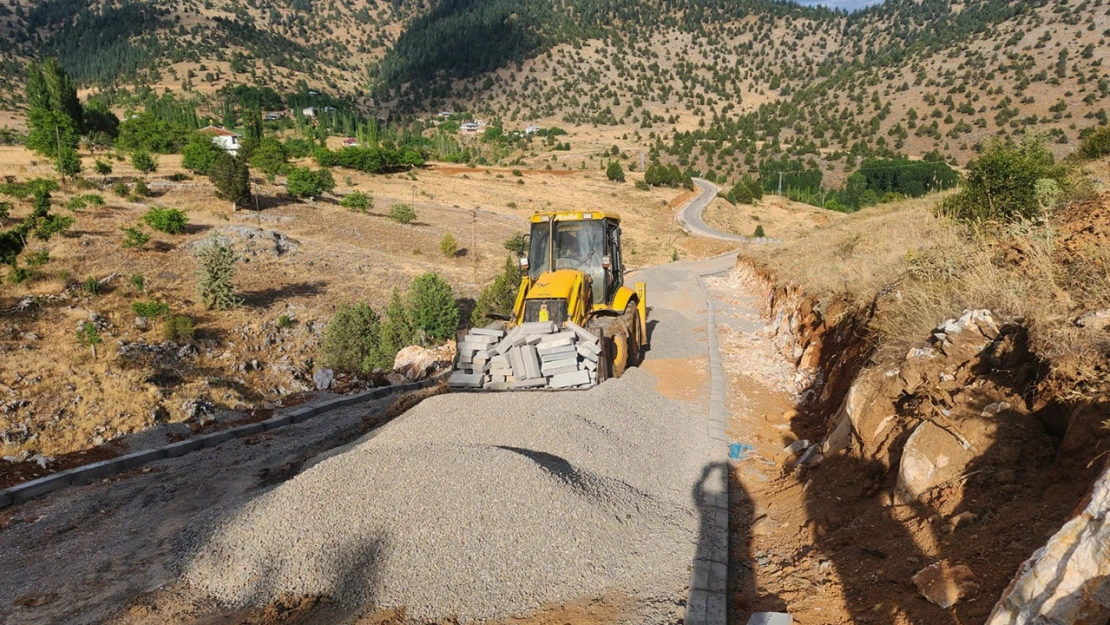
x: 529, y: 356
x: 492, y: 510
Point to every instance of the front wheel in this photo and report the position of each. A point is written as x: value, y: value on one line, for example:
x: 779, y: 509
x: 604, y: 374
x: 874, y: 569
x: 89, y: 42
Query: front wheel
x: 619, y: 339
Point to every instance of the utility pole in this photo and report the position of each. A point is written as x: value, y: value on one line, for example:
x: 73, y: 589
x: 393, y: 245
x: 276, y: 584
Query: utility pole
x: 780, y: 183
x: 474, y: 240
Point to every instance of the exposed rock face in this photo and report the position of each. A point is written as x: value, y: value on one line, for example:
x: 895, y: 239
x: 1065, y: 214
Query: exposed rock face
x: 324, y: 379
x: 414, y: 363
x: 1066, y: 582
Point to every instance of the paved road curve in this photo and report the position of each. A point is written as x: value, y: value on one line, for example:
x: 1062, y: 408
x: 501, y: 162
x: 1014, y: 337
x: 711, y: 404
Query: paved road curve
x: 690, y: 216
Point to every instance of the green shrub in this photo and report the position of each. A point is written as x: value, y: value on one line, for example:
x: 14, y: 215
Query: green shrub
x: 168, y: 220
x: 448, y: 246
x: 432, y: 305
x: 643, y: 186
x: 499, y: 297
x: 284, y: 321
x: 402, y: 213
x: 103, y: 168
x: 18, y: 275
x: 150, y: 310
x: 1096, y: 144
x: 134, y: 237
x: 759, y: 234
x: 357, y: 201
x: 89, y: 336
x: 121, y: 189
x: 352, y: 340
x: 200, y: 154
x: 5, y: 209
x: 216, y: 268
x: 615, y: 172
x: 144, y: 162
x: 140, y: 189
x: 38, y: 258
x: 303, y: 182
x: 396, y: 330
x: 91, y: 286
x: 179, y: 329
x: 138, y: 282
x: 1002, y: 184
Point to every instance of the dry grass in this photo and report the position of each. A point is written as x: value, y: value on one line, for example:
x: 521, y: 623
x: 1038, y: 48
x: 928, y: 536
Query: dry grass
x: 780, y: 217
x: 922, y: 269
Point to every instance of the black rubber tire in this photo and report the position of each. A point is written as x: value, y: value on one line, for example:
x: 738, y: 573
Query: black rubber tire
x: 631, y: 319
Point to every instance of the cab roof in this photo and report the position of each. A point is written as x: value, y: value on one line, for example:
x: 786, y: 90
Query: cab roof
x: 575, y: 216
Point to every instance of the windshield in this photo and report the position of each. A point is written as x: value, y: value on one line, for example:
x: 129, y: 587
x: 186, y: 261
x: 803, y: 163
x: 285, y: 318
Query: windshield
x: 578, y: 245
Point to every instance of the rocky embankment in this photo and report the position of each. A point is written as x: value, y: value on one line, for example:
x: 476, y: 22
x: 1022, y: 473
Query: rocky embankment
x: 967, y: 430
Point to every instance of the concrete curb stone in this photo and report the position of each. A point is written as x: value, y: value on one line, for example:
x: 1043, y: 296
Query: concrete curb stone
x: 86, y: 473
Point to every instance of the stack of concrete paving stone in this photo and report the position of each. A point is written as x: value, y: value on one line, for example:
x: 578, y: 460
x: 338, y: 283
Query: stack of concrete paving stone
x: 534, y: 355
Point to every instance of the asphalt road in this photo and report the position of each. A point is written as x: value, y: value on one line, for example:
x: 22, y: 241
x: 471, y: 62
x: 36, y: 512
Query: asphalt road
x: 690, y: 217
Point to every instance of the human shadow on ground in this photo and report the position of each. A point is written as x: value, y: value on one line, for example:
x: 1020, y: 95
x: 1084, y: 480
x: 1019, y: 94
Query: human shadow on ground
x: 268, y: 297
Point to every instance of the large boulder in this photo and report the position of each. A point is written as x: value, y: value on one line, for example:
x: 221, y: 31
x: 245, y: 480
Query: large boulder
x: 415, y: 363
x: 1066, y: 582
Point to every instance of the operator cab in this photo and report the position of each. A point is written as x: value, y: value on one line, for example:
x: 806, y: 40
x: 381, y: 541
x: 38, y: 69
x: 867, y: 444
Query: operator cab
x: 586, y: 242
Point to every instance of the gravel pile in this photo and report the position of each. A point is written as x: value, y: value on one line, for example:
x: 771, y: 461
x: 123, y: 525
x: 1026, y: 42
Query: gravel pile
x: 479, y: 507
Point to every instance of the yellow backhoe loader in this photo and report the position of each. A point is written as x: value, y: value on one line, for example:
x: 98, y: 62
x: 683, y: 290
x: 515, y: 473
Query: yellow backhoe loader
x: 574, y: 324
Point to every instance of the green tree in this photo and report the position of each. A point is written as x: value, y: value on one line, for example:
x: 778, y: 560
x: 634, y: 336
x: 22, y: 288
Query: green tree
x: 232, y: 178
x: 54, y: 114
x: 67, y: 163
x: 396, y: 331
x: 303, y: 182
x: 352, y: 340
x: 89, y: 336
x: 252, y: 133
x: 134, y: 237
x: 216, y: 268
x: 615, y: 172
x: 103, y: 169
x: 200, y: 153
x: 759, y: 234
x: 1096, y: 144
x: 435, y: 314
x: 1002, y: 183
x: 269, y: 158
x: 143, y: 162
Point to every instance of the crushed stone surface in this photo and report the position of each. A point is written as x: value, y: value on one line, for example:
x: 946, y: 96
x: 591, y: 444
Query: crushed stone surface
x: 477, y: 506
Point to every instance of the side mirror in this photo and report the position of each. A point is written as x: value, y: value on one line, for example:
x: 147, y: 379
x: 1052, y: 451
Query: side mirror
x: 606, y: 262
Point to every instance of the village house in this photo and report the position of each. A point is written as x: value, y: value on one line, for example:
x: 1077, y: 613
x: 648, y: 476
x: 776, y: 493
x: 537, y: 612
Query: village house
x: 223, y: 137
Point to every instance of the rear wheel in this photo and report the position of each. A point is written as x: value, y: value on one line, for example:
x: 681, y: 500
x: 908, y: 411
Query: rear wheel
x: 618, y: 338
x: 631, y: 318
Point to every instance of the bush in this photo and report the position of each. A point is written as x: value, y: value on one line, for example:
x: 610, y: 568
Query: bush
x: 372, y: 159
x: 284, y: 321
x: 433, y: 308
x: 138, y: 282
x: 232, y: 178
x: 89, y: 336
x: 144, y: 162
x: 179, y: 329
x: 121, y: 189
x: 200, y: 154
x: 150, y: 310
x: 396, y: 331
x: 615, y: 172
x: 269, y: 158
x: 352, y: 340
x: 357, y: 201
x: 759, y: 234
x: 448, y: 246
x: 168, y: 220
x: 140, y: 189
x: 303, y: 182
x: 1096, y: 144
x: 216, y: 268
x: 499, y: 297
x: 402, y: 213
x: 134, y: 237
x: 91, y: 286
x: 5, y: 209
x: 1002, y: 183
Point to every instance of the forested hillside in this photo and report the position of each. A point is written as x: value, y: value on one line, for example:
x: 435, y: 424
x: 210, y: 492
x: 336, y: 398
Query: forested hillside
x: 715, y: 85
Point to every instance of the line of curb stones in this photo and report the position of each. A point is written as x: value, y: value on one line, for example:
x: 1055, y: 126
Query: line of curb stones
x: 97, y: 470
x: 708, y: 602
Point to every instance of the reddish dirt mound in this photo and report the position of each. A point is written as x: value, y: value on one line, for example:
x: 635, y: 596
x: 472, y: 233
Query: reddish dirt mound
x: 1084, y: 227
